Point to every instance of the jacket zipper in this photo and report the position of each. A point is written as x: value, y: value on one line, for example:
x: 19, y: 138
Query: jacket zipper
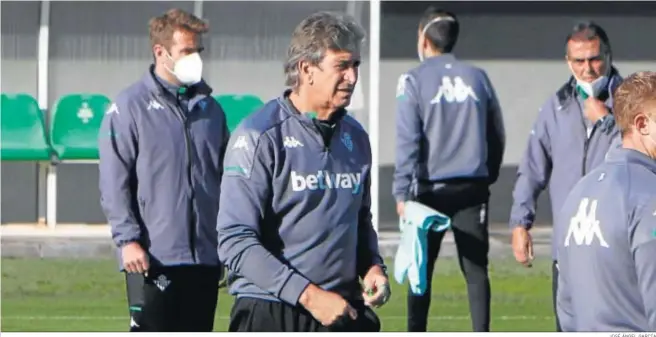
x: 585, y: 156
x: 327, y: 142
x: 318, y: 135
x: 586, y: 145
x: 192, y: 222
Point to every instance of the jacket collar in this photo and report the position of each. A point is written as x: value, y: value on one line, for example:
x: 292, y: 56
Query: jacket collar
x: 568, y: 91
x: 446, y: 57
x: 151, y: 82
x: 307, y: 117
x: 633, y: 157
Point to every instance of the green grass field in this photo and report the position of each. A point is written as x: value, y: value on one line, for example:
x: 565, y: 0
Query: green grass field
x: 88, y: 295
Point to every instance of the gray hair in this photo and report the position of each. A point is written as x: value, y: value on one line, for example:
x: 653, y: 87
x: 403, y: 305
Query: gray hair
x: 315, y: 35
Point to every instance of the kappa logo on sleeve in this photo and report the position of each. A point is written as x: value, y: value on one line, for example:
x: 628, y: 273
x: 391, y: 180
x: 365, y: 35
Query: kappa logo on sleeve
x: 154, y: 105
x: 239, y: 158
x: 400, y: 86
x: 113, y: 109
x: 240, y: 143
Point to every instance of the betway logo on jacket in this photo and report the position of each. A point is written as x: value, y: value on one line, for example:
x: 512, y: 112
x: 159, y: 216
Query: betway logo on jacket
x: 325, y: 180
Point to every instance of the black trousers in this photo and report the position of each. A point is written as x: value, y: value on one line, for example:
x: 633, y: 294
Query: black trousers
x: 257, y: 315
x: 466, y: 204
x: 173, y: 299
x: 554, y: 292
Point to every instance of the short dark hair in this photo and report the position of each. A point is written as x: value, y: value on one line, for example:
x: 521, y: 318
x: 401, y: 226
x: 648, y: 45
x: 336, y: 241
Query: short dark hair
x: 442, y: 34
x: 588, y: 31
x: 161, y: 28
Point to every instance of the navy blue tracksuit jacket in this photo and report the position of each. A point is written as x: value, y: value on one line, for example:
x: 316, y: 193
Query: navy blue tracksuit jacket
x: 160, y: 170
x: 561, y: 151
x: 296, y: 208
x: 607, y: 248
x: 449, y: 126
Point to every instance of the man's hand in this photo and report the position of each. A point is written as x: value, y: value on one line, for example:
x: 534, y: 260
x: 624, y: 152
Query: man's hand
x: 135, y: 259
x: 325, y: 306
x: 594, y: 109
x: 400, y: 208
x: 376, y: 287
x: 522, y: 246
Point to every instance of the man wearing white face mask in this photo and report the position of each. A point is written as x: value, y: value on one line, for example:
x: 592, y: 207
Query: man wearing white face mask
x: 162, y: 145
x: 572, y: 135
x: 449, y: 148
x: 607, y: 269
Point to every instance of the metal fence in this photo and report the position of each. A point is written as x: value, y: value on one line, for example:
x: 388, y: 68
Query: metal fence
x: 54, y: 48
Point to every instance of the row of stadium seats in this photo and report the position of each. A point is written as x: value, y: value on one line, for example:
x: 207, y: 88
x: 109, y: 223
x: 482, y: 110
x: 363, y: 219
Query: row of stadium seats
x: 74, y: 125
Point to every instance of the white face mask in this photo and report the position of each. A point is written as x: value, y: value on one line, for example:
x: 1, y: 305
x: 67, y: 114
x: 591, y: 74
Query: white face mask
x: 593, y: 88
x: 188, y: 69
x: 420, y: 52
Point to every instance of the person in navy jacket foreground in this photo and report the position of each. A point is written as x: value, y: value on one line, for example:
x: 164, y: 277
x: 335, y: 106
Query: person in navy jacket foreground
x: 606, y: 257
x: 294, y: 224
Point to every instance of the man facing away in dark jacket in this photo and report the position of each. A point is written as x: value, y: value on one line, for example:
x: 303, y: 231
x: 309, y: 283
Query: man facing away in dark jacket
x: 450, y: 144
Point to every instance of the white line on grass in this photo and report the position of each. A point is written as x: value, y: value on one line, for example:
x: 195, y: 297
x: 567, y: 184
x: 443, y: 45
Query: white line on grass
x: 120, y: 318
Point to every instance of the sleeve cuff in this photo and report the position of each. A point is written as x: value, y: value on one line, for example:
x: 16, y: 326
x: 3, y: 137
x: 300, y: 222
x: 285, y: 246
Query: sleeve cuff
x: 375, y: 261
x: 293, y: 288
x: 382, y: 266
x: 401, y: 198
x: 607, y: 122
x: 521, y: 223
x: 121, y: 243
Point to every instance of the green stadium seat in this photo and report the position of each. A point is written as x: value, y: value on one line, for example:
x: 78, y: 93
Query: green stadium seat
x: 75, y: 123
x: 237, y: 107
x: 23, y: 129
